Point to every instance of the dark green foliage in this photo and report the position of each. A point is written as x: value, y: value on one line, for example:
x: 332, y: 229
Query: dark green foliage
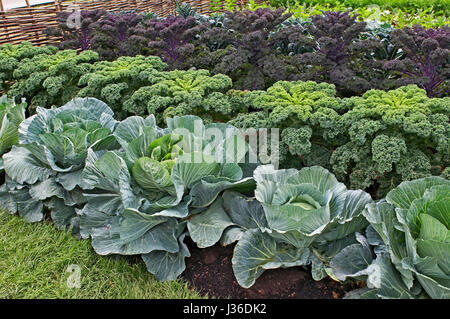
x: 114, y: 82
x: 46, y: 80
x: 12, y: 55
x: 187, y: 92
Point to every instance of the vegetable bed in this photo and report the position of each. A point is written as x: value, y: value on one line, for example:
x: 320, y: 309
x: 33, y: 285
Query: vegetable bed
x: 136, y: 133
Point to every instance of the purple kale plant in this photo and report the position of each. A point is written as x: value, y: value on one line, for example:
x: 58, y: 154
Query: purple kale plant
x: 245, y: 51
x: 334, y: 51
x: 116, y: 35
x: 172, y: 38
x: 426, y: 59
x: 73, y: 36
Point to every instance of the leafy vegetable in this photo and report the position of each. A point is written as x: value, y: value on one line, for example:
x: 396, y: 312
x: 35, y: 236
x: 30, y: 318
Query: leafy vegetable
x: 427, y: 58
x: 250, y: 61
x: 74, y: 37
x: 410, y: 235
x: 184, y: 92
x: 297, y: 218
x: 138, y: 197
x: 11, y: 115
x: 46, y: 80
x: 172, y: 38
x: 116, y: 81
x: 45, y: 169
x: 12, y: 55
x: 115, y: 35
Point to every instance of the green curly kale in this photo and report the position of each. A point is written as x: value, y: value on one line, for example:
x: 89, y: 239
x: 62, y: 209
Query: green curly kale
x: 393, y: 136
x: 185, y: 92
x: 114, y: 82
x: 46, y: 80
x: 293, y: 101
x: 11, y: 56
x: 371, y: 142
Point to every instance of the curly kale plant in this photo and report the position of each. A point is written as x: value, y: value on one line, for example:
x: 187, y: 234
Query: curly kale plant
x: 139, y: 198
x: 393, y: 136
x: 116, y: 35
x: 11, y: 115
x: 339, y: 55
x: 171, y: 38
x: 185, y: 10
x: 183, y: 93
x: 427, y: 58
x: 44, y: 170
x: 249, y: 59
x: 12, y: 55
x: 73, y: 36
x: 46, y: 80
x: 306, y: 114
x: 115, y: 82
x: 371, y: 142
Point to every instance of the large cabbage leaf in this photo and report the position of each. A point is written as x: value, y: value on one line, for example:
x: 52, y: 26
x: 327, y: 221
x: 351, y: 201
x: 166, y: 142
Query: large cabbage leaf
x: 45, y: 168
x: 159, y: 186
x: 11, y: 115
x: 301, y: 217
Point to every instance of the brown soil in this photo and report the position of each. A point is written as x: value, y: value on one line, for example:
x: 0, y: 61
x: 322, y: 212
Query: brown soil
x: 210, y: 272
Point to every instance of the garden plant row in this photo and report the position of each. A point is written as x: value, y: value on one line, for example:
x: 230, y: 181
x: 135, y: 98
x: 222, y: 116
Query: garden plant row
x: 404, y: 5
x: 133, y: 188
x: 118, y: 148
x: 426, y: 13
x: 258, y: 48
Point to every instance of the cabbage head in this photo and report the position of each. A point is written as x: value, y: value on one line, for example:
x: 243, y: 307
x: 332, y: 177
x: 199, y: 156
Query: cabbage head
x: 140, y: 197
x: 298, y: 217
x: 44, y: 169
x: 412, y: 241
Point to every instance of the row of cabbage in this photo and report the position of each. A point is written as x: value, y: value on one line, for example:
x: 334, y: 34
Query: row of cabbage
x: 135, y: 188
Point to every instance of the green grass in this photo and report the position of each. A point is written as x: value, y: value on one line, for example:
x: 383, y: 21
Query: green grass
x: 34, y: 259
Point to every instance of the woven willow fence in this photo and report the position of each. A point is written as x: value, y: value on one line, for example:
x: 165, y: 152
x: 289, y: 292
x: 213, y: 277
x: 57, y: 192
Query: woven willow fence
x: 28, y: 22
